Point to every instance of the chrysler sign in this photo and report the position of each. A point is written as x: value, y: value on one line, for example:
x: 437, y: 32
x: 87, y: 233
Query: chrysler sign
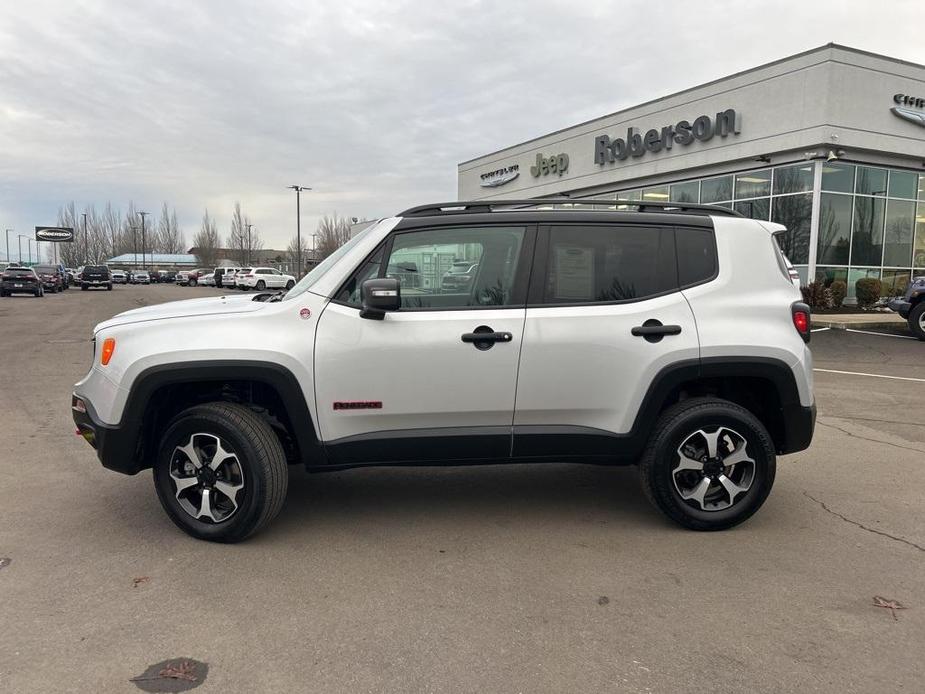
x: 56, y: 234
x: 684, y: 132
x: 909, y: 108
x: 499, y: 177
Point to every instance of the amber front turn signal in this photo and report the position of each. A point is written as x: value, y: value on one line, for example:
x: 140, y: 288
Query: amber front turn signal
x: 109, y: 346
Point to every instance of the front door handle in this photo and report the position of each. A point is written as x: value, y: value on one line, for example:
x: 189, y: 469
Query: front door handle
x: 484, y: 337
x: 653, y: 330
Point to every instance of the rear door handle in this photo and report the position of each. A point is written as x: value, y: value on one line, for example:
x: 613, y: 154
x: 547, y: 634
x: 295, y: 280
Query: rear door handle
x: 653, y: 330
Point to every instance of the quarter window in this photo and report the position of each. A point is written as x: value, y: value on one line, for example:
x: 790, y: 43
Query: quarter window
x: 605, y: 264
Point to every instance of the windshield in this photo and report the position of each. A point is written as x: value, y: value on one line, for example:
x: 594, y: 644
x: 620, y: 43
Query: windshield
x: 321, y: 268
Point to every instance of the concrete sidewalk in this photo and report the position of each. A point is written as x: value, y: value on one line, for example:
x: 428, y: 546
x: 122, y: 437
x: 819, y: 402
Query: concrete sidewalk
x: 866, y: 320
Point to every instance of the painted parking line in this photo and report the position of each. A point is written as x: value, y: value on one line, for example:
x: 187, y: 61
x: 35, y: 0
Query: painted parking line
x: 819, y: 330
x: 860, y: 373
x: 871, y: 332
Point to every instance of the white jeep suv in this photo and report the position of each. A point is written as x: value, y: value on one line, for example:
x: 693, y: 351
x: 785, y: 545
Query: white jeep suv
x: 669, y: 337
x: 261, y: 278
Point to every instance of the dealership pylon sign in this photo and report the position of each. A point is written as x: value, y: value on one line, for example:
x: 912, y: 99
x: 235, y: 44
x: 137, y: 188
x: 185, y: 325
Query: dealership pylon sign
x: 54, y: 234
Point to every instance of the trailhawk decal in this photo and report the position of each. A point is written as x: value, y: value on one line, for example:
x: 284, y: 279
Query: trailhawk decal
x: 358, y: 404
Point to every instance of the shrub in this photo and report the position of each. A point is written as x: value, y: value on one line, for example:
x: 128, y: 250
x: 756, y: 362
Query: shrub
x: 839, y: 290
x: 868, y: 291
x: 817, y: 295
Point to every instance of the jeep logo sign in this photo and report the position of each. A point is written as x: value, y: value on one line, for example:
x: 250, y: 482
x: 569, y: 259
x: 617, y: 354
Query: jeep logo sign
x: 56, y: 234
x: 683, y: 132
x: 557, y: 163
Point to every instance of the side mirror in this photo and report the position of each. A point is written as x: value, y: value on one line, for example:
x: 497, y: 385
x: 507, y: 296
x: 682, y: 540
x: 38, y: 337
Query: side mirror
x: 379, y: 296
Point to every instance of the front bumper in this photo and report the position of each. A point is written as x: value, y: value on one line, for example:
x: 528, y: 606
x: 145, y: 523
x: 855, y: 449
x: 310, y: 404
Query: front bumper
x: 115, y: 446
x: 901, y: 306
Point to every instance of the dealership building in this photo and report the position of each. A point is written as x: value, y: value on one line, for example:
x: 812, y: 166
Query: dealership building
x: 830, y: 143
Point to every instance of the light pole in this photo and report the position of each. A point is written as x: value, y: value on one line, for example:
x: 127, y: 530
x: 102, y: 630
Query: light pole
x: 28, y: 245
x: 86, y: 240
x: 143, y: 261
x: 135, y: 244
x: 248, y: 227
x: 8, y: 245
x: 298, y: 228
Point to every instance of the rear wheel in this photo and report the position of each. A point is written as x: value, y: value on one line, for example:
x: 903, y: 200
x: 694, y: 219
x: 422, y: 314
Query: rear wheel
x: 290, y: 284
x: 709, y: 464
x: 220, y: 472
x: 917, y: 320
x: 83, y: 287
x: 109, y: 287
x: 193, y: 283
x: 261, y: 285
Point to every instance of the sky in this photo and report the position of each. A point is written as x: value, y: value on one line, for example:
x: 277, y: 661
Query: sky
x: 371, y: 104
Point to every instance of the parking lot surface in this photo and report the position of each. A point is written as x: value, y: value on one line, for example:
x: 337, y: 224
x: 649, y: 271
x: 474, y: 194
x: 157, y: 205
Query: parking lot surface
x: 555, y: 578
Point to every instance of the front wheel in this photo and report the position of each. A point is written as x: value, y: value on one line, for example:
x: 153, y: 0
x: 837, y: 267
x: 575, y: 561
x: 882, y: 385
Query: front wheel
x: 709, y: 464
x: 917, y: 320
x: 109, y: 287
x: 220, y: 472
x: 193, y: 283
x: 261, y: 285
x: 290, y: 284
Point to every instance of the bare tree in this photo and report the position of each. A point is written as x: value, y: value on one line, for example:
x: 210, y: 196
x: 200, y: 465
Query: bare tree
x: 292, y: 258
x: 168, y: 238
x: 333, y: 232
x: 207, y: 241
x: 243, y: 239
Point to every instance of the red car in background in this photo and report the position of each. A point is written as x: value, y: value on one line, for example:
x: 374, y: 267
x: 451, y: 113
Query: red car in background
x: 52, y: 278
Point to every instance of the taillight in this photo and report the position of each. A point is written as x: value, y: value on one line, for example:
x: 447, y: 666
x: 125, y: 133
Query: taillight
x: 801, y: 319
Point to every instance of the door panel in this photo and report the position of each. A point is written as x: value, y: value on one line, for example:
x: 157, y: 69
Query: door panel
x: 421, y: 384
x: 583, y: 372
x: 417, y: 366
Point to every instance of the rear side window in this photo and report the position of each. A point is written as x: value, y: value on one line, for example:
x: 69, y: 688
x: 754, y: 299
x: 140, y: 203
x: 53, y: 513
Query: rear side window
x: 606, y: 264
x: 696, y: 256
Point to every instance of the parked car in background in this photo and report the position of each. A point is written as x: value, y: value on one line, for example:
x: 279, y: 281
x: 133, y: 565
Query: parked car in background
x: 183, y: 278
x: 460, y: 276
x: 141, y: 277
x: 206, y: 279
x: 225, y: 276
x: 95, y: 276
x: 261, y: 278
x: 51, y: 277
x: 240, y: 272
x: 167, y: 276
x: 196, y: 276
x: 71, y: 275
x: 119, y: 277
x: 911, y: 306
x: 20, y: 280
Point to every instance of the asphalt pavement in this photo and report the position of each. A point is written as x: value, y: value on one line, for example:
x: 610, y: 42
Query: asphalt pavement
x: 552, y: 578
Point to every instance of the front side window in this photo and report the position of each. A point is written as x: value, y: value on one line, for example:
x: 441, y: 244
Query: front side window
x: 455, y: 267
x: 606, y: 264
x: 446, y: 268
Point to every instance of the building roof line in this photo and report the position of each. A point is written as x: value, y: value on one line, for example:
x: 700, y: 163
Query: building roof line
x: 818, y: 49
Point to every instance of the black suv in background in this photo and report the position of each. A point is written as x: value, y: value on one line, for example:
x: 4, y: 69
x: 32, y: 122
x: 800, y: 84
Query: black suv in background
x: 95, y: 276
x: 20, y: 280
x: 912, y: 306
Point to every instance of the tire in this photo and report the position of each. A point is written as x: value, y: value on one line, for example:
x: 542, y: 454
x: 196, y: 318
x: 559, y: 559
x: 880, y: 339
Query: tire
x: 193, y: 283
x: 290, y: 284
x: 717, y: 509
x: 109, y: 287
x: 259, y: 464
x: 83, y: 287
x: 261, y: 285
x: 917, y: 320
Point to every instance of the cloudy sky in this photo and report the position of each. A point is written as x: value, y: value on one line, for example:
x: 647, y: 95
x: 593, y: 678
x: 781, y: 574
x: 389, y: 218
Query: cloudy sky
x: 372, y: 104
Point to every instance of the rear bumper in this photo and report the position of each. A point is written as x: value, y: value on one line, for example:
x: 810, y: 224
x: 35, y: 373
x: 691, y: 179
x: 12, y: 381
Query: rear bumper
x: 799, y: 424
x: 115, y: 446
x: 901, y: 306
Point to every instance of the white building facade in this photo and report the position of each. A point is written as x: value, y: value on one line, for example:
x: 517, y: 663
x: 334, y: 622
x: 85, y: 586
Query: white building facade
x: 830, y: 143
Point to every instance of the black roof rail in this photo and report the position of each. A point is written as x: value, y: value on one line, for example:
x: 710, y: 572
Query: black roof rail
x: 477, y: 206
